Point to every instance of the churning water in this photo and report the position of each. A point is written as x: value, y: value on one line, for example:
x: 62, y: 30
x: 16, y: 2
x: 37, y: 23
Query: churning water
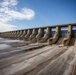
x: 4, y: 43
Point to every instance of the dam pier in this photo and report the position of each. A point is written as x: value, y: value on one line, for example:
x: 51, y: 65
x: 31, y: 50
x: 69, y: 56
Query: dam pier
x: 49, y: 50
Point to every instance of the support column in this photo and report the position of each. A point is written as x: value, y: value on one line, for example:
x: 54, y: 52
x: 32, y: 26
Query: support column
x: 40, y: 34
x: 28, y: 34
x: 70, y: 28
x: 33, y: 35
x: 13, y: 34
x: 17, y: 33
x: 46, y: 36
x: 34, y: 32
x: 24, y: 34
x: 67, y: 39
x: 48, y: 32
x: 10, y: 34
x: 57, y: 29
x: 20, y: 34
x: 55, y: 37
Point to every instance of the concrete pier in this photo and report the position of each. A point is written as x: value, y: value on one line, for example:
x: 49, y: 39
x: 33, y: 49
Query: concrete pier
x: 27, y: 36
x: 46, y: 35
x: 23, y: 34
x: 55, y: 37
x: 33, y: 35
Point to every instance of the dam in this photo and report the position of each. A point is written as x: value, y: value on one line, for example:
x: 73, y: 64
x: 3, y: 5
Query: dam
x: 48, y: 50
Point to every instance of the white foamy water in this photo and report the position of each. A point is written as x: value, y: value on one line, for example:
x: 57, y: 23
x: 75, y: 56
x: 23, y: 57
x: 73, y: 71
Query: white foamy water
x: 4, y: 43
x: 12, y: 41
x: 6, y: 40
x: 4, y: 46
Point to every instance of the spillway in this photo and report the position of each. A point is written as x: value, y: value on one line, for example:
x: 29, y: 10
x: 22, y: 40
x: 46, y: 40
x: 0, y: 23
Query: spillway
x: 39, y: 51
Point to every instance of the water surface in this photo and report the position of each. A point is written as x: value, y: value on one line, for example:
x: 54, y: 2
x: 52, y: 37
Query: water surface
x: 5, y: 43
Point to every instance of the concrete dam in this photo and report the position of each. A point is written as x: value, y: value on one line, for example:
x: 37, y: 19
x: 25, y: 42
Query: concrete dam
x: 49, y: 50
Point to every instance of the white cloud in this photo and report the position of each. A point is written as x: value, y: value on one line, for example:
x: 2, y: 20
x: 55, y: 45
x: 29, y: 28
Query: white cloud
x: 8, y: 13
x: 9, y: 3
x: 6, y: 27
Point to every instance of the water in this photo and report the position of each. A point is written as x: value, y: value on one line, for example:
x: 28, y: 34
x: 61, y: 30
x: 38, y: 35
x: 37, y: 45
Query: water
x: 4, y: 46
x: 6, y: 40
x: 4, y: 43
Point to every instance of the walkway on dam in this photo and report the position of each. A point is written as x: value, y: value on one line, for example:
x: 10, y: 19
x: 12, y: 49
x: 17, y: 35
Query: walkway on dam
x: 39, y: 59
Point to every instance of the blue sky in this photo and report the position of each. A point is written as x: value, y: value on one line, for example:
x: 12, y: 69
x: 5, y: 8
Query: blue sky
x: 44, y: 13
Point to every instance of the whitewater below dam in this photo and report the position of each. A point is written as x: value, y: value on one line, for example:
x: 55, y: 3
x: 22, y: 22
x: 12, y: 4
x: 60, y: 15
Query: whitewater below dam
x: 5, y: 43
x: 19, y: 58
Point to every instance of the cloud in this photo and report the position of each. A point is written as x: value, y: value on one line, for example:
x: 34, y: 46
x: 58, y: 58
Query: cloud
x: 7, y: 3
x: 6, y: 27
x: 8, y: 13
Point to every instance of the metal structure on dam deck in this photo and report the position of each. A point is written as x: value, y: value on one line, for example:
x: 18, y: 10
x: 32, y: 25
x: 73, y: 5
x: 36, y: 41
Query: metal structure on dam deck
x: 49, y: 50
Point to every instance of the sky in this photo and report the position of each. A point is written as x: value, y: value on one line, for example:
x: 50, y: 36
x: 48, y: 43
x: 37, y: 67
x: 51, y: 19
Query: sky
x: 23, y: 14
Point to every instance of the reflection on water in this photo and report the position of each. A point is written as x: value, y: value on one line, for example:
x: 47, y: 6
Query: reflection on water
x: 6, y: 40
x: 4, y: 43
x: 4, y: 46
